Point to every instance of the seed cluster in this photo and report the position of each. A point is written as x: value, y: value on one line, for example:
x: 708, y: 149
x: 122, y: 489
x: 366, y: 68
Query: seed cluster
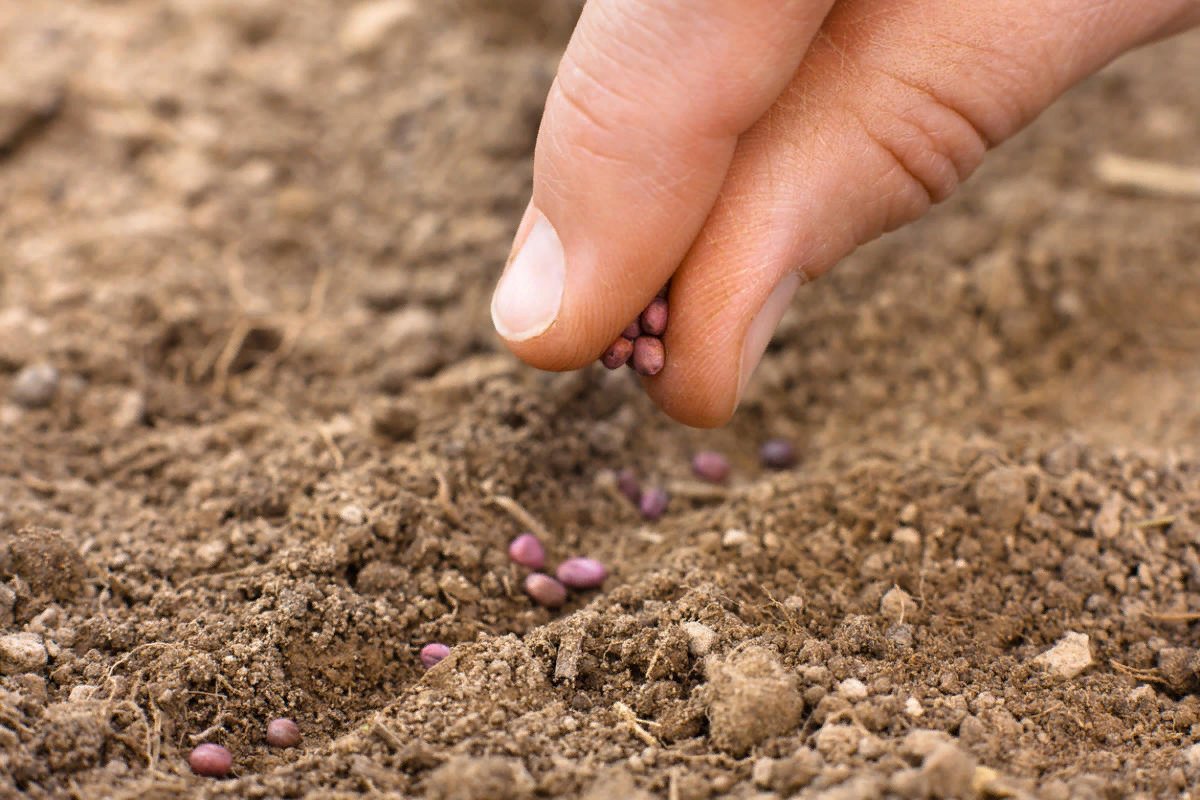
x: 551, y: 592
x: 640, y: 345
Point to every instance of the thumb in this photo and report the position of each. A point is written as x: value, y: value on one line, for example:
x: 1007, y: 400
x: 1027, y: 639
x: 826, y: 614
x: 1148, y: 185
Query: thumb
x: 639, y: 130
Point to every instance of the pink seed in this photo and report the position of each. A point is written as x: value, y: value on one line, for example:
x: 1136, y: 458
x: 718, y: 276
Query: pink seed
x: 628, y: 484
x: 210, y: 760
x: 632, y: 330
x: 433, y: 653
x: 527, y: 551
x: 581, y: 573
x: 544, y: 590
x: 283, y: 733
x: 618, y: 354
x: 649, y: 356
x: 711, y: 466
x: 777, y: 454
x: 654, y: 318
x: 654, y: 503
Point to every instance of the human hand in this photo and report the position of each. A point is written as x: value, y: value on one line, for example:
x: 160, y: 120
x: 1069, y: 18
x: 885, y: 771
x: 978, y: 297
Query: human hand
x: 742, y: 147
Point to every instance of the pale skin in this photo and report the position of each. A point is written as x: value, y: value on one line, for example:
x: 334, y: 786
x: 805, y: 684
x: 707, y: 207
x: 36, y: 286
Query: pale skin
x: 741, y: 148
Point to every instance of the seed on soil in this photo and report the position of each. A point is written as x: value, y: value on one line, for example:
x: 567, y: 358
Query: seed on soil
x: 629, y: 485
x: 632, y: 330
x: 433, y: 653
x: 649, y: 356
x: 35, y: 386
x: 527, y: 551
x: 283, y: 733
x: 653, y: 503
x: 654, y: 318
x: 711, y: 466
x: 545, y: 591
x: 581, y: 573
x: 210, y: 760
x: 618, y: 353
x: 777, y: 454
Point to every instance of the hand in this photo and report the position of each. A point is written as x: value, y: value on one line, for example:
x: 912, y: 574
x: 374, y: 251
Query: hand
x: 742, y: 147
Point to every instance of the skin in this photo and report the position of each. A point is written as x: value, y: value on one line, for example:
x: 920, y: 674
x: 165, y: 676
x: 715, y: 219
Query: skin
x: 742, y: 147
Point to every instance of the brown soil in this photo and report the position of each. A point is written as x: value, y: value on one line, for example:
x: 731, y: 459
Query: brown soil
x: 258, y: 246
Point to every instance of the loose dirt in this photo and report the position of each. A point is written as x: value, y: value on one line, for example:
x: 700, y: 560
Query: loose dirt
x: 255, y: 240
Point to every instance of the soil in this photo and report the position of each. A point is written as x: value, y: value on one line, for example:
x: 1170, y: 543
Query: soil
x: 255, y: 239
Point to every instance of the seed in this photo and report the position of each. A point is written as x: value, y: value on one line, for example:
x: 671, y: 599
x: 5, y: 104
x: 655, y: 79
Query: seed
x: 283, y: 733
x: 628, y: 484
x: 632, y: 330
x: 711, y: 466
x: 618, y: 353
x: 654, y: 318
x: 581, y: 573
x: 654, y: 503
x: 544, y: 590
x: 527, y: 551
x: 777, y: 454
x: 210, y: 760
x: 433, y: 653
x: 649, y: 355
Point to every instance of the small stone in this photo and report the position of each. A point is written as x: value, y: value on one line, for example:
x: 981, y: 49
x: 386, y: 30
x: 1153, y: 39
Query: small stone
x: 370, y: 24
x: 1069, y: 657
x: 653, y: 503
x: 649, y: 356
x: 701, y: 638
x: 130, y: 411
x: 777, y: 454
x: 210, y: 760
x: 632, y: 330
x: 22, y: 652
x: 853, y: 690
x: 949, y: 772
x: 527, y: 551
x: 750, y: 697
x: 434, y: 653
x: 734, y: 537
x: 352, y: 515
x: 1000, y: 495
x: 35, y: 386
x: 913, y: 708
x: 896, y: 604
x: 544, y: 590
x: 283, y: 733
x: 581, y: 573
x: 711, y: 466
x: 618, y: 353
x: 761, y: 773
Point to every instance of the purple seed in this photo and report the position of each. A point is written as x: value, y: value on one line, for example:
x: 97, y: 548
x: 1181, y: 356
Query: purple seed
x: 283, y: 733
x: 632, y: 330
x: 711, y: 466
x: 777, y: 454
x: 544, y: 590
x: 527, y: 551
x: 629, y: 485
x: 618, y: 354
x: 654, y: 318
x: 433, y: 653
x: 654, y: 503
x: 649, y: 356
x: 581, y: 573
x: 210, y: 760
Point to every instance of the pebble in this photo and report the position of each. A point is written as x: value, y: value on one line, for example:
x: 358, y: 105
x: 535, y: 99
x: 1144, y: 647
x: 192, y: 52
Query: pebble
x: 649, y: 356
x: 545, y: 591
x: 352, y: 515
x: 210, y: 760
x: 618, y: 354
x: 711, y: 466
x: 777, y: 454
x: 581, y: 573
x: 433, y: 653
x: 629, y: 485
x: 35, y: 386
x: 653, y: 503
x: 527, y: 551
x: 283, y: 733
x: 1069, y: 657
x: 853, y: 689
x: 22, y: 652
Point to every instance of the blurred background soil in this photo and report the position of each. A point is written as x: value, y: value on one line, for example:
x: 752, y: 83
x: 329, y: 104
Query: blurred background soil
x: 255, y: 240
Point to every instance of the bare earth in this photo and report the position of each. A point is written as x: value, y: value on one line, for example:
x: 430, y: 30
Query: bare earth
x: 256, y: 238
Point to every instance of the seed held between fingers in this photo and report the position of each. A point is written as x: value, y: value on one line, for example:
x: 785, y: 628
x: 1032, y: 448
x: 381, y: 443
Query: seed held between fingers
x: 632, y: 330
x: 649, y: 356
x: 654, y: 318
x: 618, y: 353
x: 545, y: 591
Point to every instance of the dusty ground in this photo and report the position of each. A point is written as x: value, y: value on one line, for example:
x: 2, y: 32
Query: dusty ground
x: 257, y: 240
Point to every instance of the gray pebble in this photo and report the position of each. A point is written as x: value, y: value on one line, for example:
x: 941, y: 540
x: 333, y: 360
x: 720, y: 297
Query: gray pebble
x: 35, y: 386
